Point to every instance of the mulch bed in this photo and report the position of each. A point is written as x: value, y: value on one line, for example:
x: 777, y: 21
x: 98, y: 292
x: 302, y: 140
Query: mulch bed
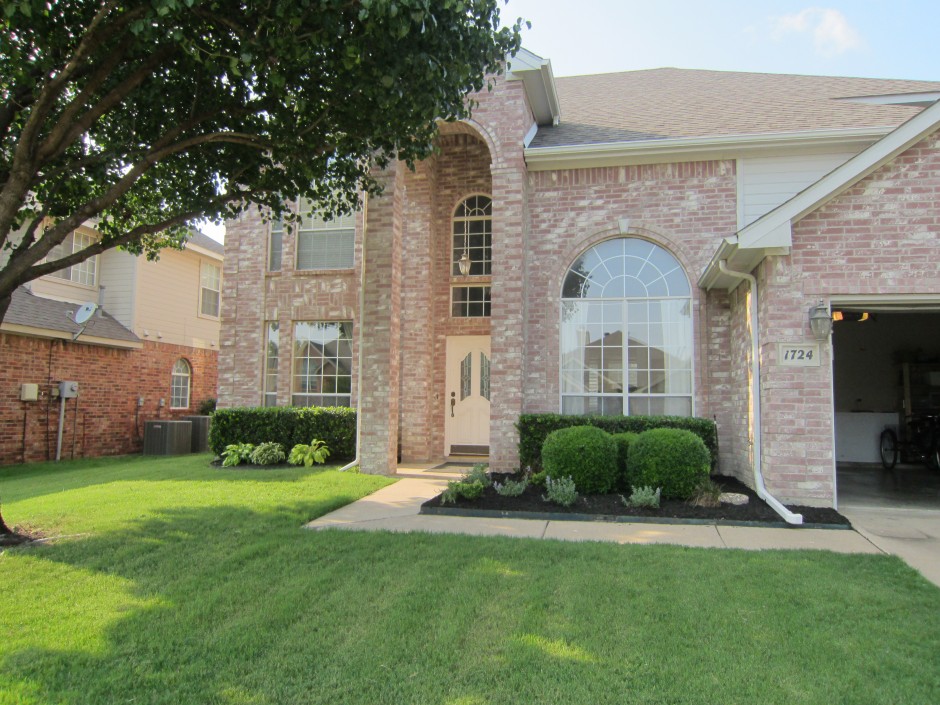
x: 610, y: 507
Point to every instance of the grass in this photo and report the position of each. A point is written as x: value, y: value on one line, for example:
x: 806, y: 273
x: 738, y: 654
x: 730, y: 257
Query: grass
x: 196, y: 585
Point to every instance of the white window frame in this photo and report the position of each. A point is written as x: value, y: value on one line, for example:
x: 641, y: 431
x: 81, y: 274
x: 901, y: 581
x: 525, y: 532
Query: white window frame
x: 181, y: 381
x: 334, y: 238
x: 335, y: 360
x: 211, y: 285
x: 669, y: 296
x: 84, y: 273
x: 269, y: 374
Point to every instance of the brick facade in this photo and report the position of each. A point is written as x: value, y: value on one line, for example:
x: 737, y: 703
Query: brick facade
x: 878, y: 237
x: 106, y: 418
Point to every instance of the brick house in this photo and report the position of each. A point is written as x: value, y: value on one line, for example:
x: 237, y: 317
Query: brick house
x: 150, y: 351
x: 641, y: 242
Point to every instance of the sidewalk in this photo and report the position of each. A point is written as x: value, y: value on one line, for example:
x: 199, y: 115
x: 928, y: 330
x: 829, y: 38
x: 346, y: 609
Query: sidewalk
x: 395, y: 508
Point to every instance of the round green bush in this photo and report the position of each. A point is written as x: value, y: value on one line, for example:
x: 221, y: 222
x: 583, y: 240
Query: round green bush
x: 587, y: 454
x: 623, y: 441
x: 670, y: 458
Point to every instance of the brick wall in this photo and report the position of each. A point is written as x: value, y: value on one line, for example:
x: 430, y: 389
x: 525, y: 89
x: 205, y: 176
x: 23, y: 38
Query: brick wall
x: 686, y: 208
x: 878, y: 238
x: 105, y: 419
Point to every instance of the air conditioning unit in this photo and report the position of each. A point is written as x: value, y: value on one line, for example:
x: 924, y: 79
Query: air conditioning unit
x: 168, y: 437
x: 200, y: 432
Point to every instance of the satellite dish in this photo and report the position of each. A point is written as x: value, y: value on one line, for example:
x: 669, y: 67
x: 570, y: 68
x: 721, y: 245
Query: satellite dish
x: 85, y: 312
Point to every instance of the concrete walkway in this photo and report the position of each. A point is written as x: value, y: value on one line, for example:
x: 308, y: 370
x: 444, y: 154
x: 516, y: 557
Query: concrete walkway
x: 912, y: 535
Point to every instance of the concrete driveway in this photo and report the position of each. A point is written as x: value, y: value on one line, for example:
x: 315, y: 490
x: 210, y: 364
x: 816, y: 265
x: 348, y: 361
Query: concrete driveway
x: 911, y: 534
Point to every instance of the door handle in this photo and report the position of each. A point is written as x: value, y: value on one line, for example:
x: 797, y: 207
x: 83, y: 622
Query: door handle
x: 453, y: 402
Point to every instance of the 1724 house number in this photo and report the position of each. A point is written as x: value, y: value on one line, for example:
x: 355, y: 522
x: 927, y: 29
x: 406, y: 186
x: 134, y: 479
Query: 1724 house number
x: 797, y: 355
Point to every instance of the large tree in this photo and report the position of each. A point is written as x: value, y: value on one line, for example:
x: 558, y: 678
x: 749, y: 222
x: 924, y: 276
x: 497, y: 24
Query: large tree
x: 143, y: 116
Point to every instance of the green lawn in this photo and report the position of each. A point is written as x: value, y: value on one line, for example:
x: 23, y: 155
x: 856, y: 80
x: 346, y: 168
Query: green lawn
x: 193, y: 584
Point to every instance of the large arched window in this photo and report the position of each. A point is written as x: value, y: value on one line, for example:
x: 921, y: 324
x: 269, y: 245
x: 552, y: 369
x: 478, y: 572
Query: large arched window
x: 626, y: 332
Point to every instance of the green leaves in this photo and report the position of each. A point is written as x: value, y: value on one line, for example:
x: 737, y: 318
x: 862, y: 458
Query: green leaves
x: 158, y: 112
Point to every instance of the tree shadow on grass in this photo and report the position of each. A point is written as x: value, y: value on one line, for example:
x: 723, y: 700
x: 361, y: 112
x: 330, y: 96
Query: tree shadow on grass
x: 232, y: 605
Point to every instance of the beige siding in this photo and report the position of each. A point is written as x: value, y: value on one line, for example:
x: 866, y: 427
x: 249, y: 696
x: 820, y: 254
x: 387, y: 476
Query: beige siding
x: 118, y: 275
x: 64, y: 290
x: 167, y: 302
x: 766, y: 182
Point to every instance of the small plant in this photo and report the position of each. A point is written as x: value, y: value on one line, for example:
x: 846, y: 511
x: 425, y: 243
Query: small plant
x: 511, y: 488
x: 269, y: 453
x: 303, y: 454
x: 538, y: 478
x: 461, y: 488
x: 560, y: 490
x: 479, y: 473
x: 707, y: 494
x: 643, y: 497
x: 206, y: 407
x: 236, y: 454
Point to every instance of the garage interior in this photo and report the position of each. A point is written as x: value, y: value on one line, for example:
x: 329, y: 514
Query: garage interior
x: 886, y: 374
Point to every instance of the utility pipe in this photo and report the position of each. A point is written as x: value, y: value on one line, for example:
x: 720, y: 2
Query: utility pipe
x: 362, y: 308
x: 762, y: 492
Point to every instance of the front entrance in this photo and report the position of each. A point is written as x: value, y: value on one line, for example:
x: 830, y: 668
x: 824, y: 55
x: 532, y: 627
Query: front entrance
x: 467, y: 405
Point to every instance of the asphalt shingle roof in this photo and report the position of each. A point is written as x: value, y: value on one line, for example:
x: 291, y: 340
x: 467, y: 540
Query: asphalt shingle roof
x: 27, y: 309
x: 197, y: 237
x: 674, y: 103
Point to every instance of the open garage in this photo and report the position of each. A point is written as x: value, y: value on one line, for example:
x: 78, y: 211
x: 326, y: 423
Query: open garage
x: 886, y: 389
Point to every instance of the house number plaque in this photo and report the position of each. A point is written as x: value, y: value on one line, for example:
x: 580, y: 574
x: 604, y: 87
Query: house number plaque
x: 798, y: 354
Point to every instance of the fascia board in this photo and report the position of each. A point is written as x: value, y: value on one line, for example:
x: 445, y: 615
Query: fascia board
x: 539, y: 82
x: 737, y: 258
x: 19, y: 329
x: 204, y: 251
x: 692, y: 148
x: 843, y: 177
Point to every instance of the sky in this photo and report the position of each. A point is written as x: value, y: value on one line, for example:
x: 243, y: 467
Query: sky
x: 865, y: 38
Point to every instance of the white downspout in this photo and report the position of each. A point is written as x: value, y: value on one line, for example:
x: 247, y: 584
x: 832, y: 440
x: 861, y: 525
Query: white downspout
x: 762, y: 492
x: 362, y: 308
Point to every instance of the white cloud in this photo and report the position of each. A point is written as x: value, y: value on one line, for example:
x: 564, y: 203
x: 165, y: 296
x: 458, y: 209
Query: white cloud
x: 832, y: 33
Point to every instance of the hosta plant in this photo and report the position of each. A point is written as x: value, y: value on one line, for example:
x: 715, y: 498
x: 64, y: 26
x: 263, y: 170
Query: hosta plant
x: 236, y: 454
x: 303, y: 454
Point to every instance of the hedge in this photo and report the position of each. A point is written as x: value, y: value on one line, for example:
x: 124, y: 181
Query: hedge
x: 534, y: 429
x: 287, y: 426
x: 673, y: 459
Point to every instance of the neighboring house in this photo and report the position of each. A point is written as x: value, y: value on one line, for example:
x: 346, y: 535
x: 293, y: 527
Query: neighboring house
x: 149, y: 352
x: 603, y: 220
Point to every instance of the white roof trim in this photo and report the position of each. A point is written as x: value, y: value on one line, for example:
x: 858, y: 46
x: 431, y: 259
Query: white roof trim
x: 842, y: 177
x: 685, y: 148
x: 772, y: 233
x: 205, y: 252
x: 922, y: 99
x: 539, y: 81
x: 87, y: 339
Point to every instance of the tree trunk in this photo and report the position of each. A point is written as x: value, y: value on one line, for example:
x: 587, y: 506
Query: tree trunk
x: 4, y: 529
x: 5, y: 302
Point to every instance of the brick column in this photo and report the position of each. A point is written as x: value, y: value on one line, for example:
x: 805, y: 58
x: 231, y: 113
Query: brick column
x: 508, y: 313
x: 381, y: 354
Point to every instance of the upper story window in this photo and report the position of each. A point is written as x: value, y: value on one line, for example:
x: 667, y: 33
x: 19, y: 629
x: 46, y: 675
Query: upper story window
x: 275, y: 246
x: 210, y: 289
x: 179, y: 385
x: 626, y: 332
x: 325, y: 244
x: 473, y: 236
x: 82, y: 273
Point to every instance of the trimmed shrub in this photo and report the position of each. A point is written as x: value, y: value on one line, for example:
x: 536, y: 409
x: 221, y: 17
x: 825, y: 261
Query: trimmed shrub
x: 623, y: 441
x: 672, y: 459
x: 586, y: 454
x: 534, y: 429
x: 287, y: 426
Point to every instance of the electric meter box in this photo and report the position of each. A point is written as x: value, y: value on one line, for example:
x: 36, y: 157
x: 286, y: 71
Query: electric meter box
x: 68, y: 390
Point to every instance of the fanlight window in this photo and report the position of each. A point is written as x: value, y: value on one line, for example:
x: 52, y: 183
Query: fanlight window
x: 626, y: 332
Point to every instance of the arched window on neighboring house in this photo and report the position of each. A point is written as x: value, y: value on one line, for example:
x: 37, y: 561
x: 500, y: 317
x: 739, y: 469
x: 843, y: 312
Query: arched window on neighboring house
x: 180, y: 383
x: 626, y: 332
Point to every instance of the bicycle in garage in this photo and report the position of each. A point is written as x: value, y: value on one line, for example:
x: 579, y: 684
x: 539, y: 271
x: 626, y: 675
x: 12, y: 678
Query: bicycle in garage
x: 919, y: 442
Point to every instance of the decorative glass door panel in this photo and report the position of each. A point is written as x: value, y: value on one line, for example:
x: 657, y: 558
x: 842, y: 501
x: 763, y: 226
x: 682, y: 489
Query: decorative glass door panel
x: 467, y: 405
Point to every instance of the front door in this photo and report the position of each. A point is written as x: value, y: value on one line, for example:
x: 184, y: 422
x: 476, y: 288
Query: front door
x: 467, y: 404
